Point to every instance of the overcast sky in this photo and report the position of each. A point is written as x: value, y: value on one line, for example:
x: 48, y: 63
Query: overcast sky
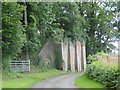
x: 115, y: 44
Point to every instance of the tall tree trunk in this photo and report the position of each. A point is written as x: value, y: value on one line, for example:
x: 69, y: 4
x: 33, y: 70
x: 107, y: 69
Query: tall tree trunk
x: 119, y: 33
x: 26, y: 23
x: 0, y: 45
x: 24, y: 55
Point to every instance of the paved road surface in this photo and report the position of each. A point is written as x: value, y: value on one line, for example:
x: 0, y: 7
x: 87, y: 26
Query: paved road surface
x: 64, y: 81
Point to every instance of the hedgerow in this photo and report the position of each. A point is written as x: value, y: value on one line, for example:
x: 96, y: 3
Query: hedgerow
x: 104, y: 73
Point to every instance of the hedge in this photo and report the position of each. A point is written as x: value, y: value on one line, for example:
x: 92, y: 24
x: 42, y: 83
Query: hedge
x: 104, y: 73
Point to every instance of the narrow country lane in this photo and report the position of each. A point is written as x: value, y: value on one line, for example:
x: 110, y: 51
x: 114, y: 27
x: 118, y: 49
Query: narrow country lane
x: 64, y: 81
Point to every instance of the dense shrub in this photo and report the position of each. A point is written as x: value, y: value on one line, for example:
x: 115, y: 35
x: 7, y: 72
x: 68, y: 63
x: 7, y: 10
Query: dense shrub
x: 40, y: 64
x: 94, y: 57
x: 104, y: 73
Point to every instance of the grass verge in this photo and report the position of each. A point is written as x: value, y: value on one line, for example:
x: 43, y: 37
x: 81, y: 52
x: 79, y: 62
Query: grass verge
x: 85, y: 82
x: 27, y: 80
x: 0, y: 81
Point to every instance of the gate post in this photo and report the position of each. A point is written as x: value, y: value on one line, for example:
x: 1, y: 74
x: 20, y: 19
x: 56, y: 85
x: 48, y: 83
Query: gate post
x: 78, y: 55
x: 72, y: 56
x: 64, y: 47
x: 84, y: 56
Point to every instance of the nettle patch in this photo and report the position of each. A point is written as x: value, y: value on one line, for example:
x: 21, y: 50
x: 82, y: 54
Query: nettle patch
x: 104, y: 73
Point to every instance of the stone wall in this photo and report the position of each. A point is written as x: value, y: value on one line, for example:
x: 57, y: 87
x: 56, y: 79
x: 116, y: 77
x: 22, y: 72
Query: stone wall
x: 47, y: 53
x: 73, y: 55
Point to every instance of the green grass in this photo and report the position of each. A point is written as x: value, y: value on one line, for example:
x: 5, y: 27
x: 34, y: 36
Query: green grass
x: 85, y: 82
x: 0, y: 81
x: 27, y: 80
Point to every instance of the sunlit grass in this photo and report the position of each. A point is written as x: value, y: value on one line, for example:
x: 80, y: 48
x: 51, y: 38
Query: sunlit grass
x: 27, y: 80
x: 0, y: 81
x: 85, y: 82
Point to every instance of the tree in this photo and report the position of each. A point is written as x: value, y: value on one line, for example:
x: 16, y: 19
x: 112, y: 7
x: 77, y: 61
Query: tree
x: 70, y: 20
x: 45, y: 22
x: 13, y: 37
x: 118, y: 10
x: 32, y: 34
x: 118, y: 26
x: 99, y: 25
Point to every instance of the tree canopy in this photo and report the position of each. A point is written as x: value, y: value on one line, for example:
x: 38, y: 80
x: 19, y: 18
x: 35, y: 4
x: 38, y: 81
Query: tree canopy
x: 100, y: 19
x: 70, y: 20
x: 27, y: 25
x: 13, y: 37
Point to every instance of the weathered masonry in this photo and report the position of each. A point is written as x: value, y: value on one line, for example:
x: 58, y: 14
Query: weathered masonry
x: 73, y: 55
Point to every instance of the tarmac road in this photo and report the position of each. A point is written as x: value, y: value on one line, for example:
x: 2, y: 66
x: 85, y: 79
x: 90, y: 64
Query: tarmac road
x: 64, y: 81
